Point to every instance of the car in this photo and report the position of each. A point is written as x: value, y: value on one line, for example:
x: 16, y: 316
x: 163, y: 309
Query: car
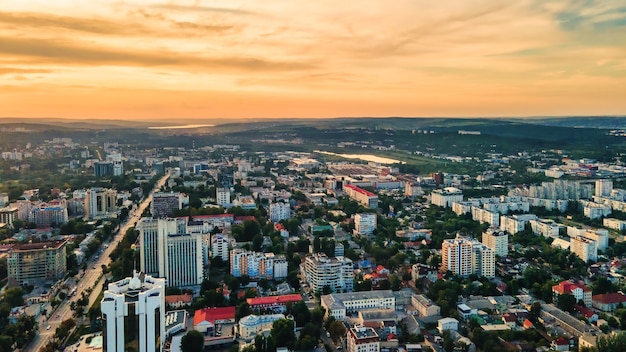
x: 48, y: 327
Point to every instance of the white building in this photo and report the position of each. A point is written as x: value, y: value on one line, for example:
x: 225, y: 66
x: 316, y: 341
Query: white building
x: 365, y: 223
x: 603, y: 188
x: 546, y: 227
x: 483, y: 215
x: 447, y: 324
x: 601, y: 236
x: 168, y: 251
x: 222, y: 196
x: 446, y: 196
x: 362, y: 339
x: 584, y: 248
x: 257, y: 265
x: 252, y: 325
x: 219, y: 246
x: 100, y: 202
x: 425, y: 306
x: 279, y: 211
x: 464, y: 257
x: 515, y: 223
x: 496, y: 240
x: 338, y: 305
x: 139, y: 301
x: 614, y: 224
x: 596, y: 210
x: 319, y: 271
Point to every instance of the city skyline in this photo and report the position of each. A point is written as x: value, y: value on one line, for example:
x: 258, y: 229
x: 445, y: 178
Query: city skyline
x: 240, y: 59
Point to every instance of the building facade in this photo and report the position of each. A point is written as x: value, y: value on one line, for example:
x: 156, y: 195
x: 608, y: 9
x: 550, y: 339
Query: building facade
x: 252, y: 325
x: 279, y: 211
x: 362, y: 339
x: 164, y: 204
x: 496, y: 240
x: 222, y: 196
x: 338, y: 305
x: 31, y: 263
x: 257, y: 265
x: 365, y: 223
x: 464, y: 257
x: 100, y: 203
x: 220, y: 246
x: 336, y: 273
x: 364, y: 197
x: 446, y: 196
x: 133, y: 314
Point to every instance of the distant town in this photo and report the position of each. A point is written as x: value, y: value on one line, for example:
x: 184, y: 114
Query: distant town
x: 280, y: 242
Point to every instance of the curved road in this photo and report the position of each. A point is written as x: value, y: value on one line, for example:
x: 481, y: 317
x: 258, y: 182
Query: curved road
x: 91, y: 276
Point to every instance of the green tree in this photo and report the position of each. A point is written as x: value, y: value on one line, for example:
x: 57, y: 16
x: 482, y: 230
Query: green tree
x: 282, y: 332
x: 611, y: 343
x: 566, y: 302
x: 193, y: 341
x: 337, y: 330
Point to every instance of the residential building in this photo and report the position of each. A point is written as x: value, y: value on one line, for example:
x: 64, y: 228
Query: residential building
x: 165, y: 203
x: 252, y: 325
x: 320, y: 271
x: 608, y: 302
x: 603, y: 188
x: 8, y: 215
x: 133, y: 314
x: 450, y: 324
x: 46, y: 215
x: 601, y: 236
x: 496, y: 240
x: 277, y: 304
x: 103, y: 168
x: 515, y: 223
x: 585, y: 248
x: 222, y: 196
x: 257, y: 265
x: 365, y: 223
x: 207, y: 320
x: 578, y: 290
x: 546, y: 227
x: 483, y: 261
x: 425, y: 306
x: 419, y: 271
x: 464, y: 257
x: 32, y: 263
x: 611, y: 223
x: 596, y: 210
x: 362, y: 339
x: 100, y: 203
x: 339, y: 305
x: 118, y: 164
x: 279, y: 211
x: 364, y: 197
x: 219, y: 246
x: 166, y: 250
x: 446, y: 196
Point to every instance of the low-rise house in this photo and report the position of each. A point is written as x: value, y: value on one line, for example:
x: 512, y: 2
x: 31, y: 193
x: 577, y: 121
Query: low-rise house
x: 608, y: 302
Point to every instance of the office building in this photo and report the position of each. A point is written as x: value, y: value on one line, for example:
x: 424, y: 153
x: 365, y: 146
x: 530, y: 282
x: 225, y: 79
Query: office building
x: 339, y: 305
x: 362, y: 339
x: 133, y: 314
x: 165, y: 203
x: 168, y: 251
x: 320, y: 271
x: 365, y: 223
x: 257, y: 265
x: 496, y: 240
x: 32, y: 263
x: 47, y: 215
x: 363, y: 197
x: 464, y: 257
x: 279, y: 211
x: 222, y: 196
x: 102, y: 168
x: 100, y: 203
x: 446, y: 196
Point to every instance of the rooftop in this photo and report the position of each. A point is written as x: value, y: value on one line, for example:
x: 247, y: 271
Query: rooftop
x: 213, y: 314
x: 38, y: 246
x: 274, y: 299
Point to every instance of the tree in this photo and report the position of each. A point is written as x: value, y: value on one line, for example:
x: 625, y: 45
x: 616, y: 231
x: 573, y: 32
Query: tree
x: 301, y: 314
x: 13, y: 296
x: 192, y: 341
x: 337, y: 330
x: 282, y: 332
x: 611, y: 343
x: 566, y: 302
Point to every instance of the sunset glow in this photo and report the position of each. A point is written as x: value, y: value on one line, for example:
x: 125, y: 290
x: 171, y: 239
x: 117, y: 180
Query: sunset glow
x: 249, y: 59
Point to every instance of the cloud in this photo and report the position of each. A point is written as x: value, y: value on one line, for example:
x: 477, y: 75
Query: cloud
x: 89, y: 25
x: 14, y: 70
x: 75, y: 53
x: 194, y: 8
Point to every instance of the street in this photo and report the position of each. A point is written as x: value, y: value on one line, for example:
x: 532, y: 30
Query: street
x: 91, y: 278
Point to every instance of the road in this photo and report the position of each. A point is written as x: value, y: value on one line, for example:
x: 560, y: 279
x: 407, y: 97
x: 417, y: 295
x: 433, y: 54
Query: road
x: 91, y: 276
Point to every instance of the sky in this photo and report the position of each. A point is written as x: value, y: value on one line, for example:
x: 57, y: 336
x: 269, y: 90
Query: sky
x: 144, y: 59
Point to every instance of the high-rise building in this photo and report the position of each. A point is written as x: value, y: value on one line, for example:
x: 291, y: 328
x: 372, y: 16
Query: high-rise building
x: 336, y: 273
x: 497, y: 240
x: 364, y: 197
x: 133, y: 314
x: 164, y: 203
x: 118, y: 164
x: 362, y: 339
x: 279, y: 211
x: 100, y: 203
x: 47, y: 215
x: 219, y: 246
x: 167, y: 251
x: 8, y: 215
x: 103, y: 168
x: 604, y: 188
x: 464, y: 257
x: 31, y: 263
x: 446, y: 196
x: 585, y: 248
x: 222, y: 196
x: 365, y: 223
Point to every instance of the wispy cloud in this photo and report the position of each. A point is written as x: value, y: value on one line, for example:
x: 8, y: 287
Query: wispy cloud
x: 196, y: 8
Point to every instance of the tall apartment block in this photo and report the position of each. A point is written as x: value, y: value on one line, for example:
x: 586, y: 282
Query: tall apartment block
x: 32, y: 263
x: 464, y: 257
x: 164, y: 203
x: 336, y: 273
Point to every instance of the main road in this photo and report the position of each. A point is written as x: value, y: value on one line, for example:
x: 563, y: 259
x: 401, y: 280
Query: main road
x: 91, y: 276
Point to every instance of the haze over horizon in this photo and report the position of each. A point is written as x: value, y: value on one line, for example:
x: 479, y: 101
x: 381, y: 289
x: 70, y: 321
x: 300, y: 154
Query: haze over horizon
x: 151, y: 60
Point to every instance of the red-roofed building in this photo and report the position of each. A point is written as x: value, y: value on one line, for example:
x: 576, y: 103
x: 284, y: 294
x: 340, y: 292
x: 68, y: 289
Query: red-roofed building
x: 560, y: 344
x: 608, y: 302
x: 206, y: 319
x: 528, y: 324
x: 588, y: 313
x: 240, y: 219
x: 579, y: 291
x: 274, y: 303
x: 365, y: 198
x: 510, y: 320
x: 178, y: 301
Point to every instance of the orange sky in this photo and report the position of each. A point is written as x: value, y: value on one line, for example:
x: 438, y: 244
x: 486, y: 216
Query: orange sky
x: 143, y: 59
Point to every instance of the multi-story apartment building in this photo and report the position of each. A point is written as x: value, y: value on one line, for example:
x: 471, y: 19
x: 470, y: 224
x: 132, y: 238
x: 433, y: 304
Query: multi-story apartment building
x: 585, y: 248
x: 365, y: 223
x: 515, y: 223
x: 364, y: 197
x: 100, y: 203
x: 464, y: 257
x: 46, y: 215
x: 601, y: 236
x: 257, y: 265
x: 483, y: 215
x: 603, y: 188
x: 133, y: 314
x: 336, y: 273
x: 222, y: 196
x: 102, y: 168
x: 497, y: 240
x: 546, y: 227
x: 165, y: 203
x: 220, y: 246
x: 168, y: 251
x: 32, y: 263
x: 446, y: 196
x: 362, y: 339
x: 338, y: 305
x: 425, y: 306
x: 279, y: 211
x: 578, y: 290
x: 611, y: 223
x: 8, y: 215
